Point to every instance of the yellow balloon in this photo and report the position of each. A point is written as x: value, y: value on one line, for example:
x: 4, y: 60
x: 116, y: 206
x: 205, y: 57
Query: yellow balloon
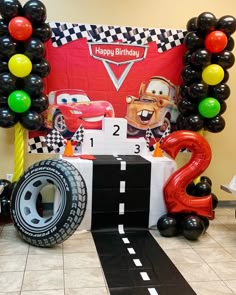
x: 20, y: 65
x: 213, y: 74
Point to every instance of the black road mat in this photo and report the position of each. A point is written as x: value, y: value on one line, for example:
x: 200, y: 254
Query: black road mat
x: 134, y: 264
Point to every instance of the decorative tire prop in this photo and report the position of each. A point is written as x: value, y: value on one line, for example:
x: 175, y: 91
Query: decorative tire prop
x: 70, y: 198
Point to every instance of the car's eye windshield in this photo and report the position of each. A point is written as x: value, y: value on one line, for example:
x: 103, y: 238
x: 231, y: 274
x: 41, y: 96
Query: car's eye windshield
x: 78, y: 98
x: 62, y: 98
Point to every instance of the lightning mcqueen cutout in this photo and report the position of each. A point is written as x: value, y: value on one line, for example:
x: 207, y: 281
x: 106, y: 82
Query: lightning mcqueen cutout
x: 68, y: 109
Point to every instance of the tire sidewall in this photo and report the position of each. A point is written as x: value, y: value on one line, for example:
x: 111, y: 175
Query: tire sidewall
x: 66, y: 180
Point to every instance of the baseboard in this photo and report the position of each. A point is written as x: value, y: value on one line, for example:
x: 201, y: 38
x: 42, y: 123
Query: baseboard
x: 226, y: 203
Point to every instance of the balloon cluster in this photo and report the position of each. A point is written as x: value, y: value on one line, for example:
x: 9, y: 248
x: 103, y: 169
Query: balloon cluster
x: 205, y: 73
x: 191, y: 226
x: 23, y: 66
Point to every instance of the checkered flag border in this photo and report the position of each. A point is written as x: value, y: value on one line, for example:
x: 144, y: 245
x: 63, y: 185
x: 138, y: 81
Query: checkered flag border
x: 62, y: 33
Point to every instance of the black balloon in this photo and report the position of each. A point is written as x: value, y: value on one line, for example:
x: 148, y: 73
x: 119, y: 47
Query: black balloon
x: 8, y: 46
x: 214, y: 201
x: 215, y: 125
x: 186, y: 107
x: 206, y: 22
x: 190, y: 189
x: 192, y: 227
x: 206, y: 179
x: 193, y: 122
x: 6, y: 187
x: 190, y: 74
x: 198, y: 90
x: 192, y: 41
x: 192, y: 24
x: 31, y: 120
x: 7, y: 118
x: 187, y: 57
x: 40, y: 103
x: 226, y: 77
x: 226, y: 24
x: 35, y: 11
x: 230, y: 44
x: 202, y: 189
x: 225, y: 59
x: 201, y: 58
x: 220, y: 91
x: 7, y: 83
x: 10, y: 8
x: 3, y: 65
x: 183, y: 90
x: 168, y: 225
x: 205, y: 221
x: 33, y: 85
x: 34, y: 49
x: 41, y: 68
x: 43, y: 32
x: 3, y: 101
x: 223, y: 107
x: 180, y: 122
x: 3, y: 27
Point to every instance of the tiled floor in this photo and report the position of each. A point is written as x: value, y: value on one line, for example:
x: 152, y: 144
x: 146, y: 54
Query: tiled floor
x: 209, y: 264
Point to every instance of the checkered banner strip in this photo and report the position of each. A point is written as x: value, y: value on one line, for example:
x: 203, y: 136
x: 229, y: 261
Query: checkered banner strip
x: 62, y: 33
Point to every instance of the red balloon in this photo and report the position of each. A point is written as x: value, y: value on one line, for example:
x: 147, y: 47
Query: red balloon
x: 216, y: 41
x: 20, y: 28
x: 176, y: 198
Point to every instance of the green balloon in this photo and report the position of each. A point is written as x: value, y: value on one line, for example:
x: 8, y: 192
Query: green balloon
x: 19, y: 101
x: 209, y: 107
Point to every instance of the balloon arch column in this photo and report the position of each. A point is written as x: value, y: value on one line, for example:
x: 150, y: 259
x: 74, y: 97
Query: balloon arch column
x: 23, y: 66
x: 201, y: 104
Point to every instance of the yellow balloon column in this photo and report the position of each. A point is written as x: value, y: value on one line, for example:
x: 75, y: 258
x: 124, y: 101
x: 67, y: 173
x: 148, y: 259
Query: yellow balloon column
x: 23, y: 32
x: 19, y: 152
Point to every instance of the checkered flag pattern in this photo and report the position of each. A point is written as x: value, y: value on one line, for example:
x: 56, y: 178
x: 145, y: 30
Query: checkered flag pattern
x: 165, y: 134
x: 150, y: 139
x: 54, y: 139
x: 63, y: 33
x: 38, y: 145
x: 79, y: 134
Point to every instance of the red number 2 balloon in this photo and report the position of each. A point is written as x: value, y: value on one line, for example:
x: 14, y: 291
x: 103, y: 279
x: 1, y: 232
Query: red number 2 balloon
x: 176, y: 198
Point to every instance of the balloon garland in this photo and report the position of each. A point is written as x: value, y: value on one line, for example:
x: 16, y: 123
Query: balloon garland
x: 206, y: 62
x: 23, y: 66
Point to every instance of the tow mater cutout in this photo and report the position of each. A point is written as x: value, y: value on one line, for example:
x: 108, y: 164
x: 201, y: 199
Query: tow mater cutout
x: 155, y: 107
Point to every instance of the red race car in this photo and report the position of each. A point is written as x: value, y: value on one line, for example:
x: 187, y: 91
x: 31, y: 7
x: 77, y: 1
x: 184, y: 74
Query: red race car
x: 69, y: 108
